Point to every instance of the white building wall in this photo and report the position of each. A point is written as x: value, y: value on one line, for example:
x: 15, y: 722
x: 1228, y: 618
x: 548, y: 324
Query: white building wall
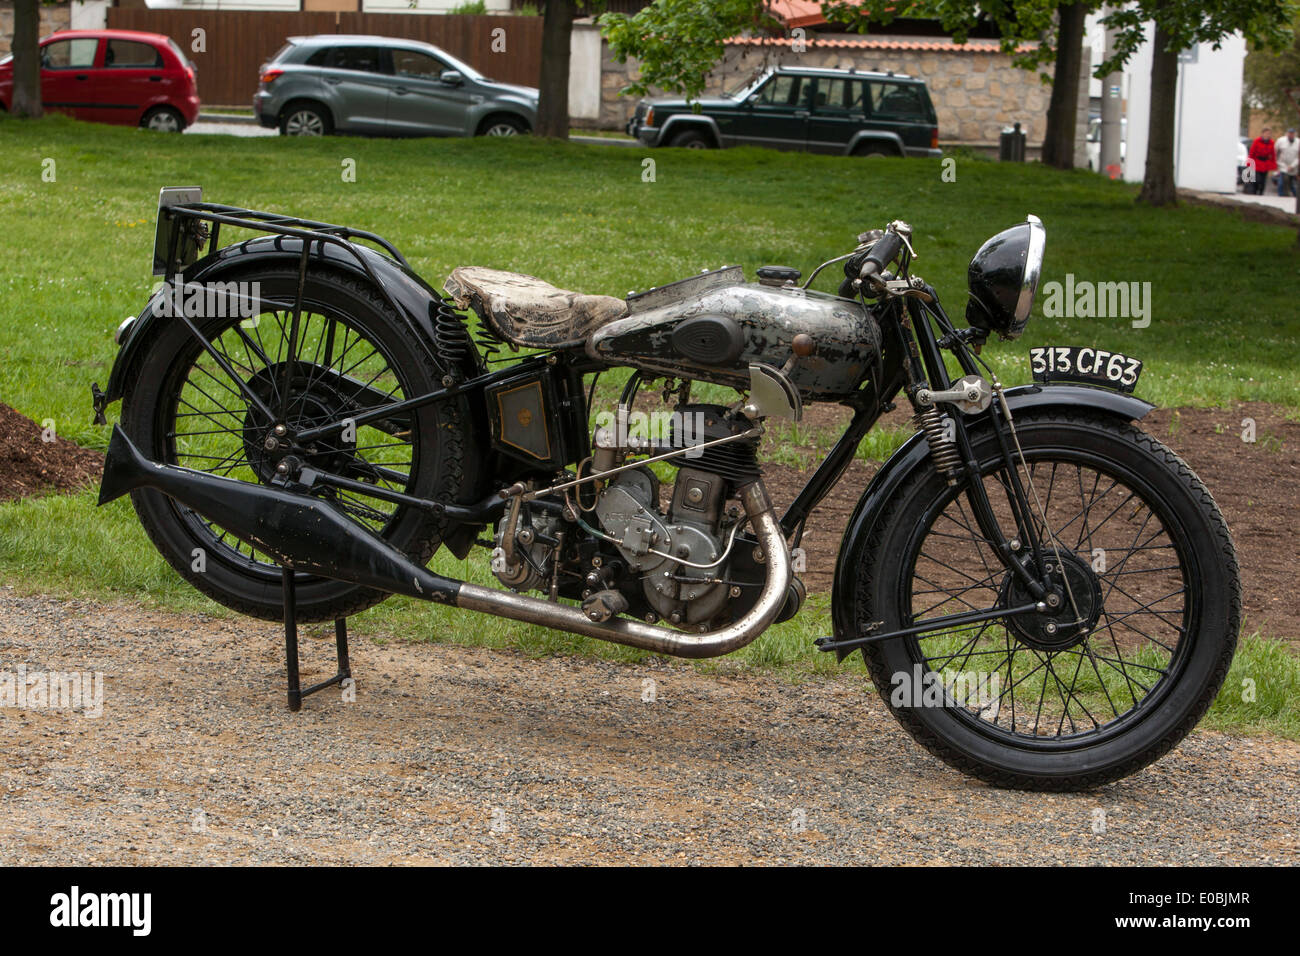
x: 1207, y: 115
x: 89, y: 15
x: 584, y: 72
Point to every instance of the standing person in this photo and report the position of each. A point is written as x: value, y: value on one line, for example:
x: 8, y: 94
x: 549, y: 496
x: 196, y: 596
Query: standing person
x: 1264, y: 154
x: 1288, y: 163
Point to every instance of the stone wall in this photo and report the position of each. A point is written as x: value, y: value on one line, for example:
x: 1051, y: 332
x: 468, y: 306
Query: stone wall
x: 54, y: 16
x: 976, y: 90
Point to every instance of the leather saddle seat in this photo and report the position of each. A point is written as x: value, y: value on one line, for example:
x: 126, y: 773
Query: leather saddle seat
x: 529, y: 312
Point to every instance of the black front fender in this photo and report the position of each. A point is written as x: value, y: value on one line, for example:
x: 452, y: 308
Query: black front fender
x: 915, y: 454
x: 416, y: 299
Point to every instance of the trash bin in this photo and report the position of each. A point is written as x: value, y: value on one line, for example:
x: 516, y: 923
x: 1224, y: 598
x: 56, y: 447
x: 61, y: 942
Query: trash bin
x: 1011, y: 147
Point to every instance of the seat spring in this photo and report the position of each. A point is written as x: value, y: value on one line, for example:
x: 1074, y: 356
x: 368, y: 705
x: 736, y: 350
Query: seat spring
x: 451, y: 337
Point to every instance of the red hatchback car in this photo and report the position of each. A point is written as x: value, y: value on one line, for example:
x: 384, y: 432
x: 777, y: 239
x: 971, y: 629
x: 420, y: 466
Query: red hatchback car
x: 114, y: 76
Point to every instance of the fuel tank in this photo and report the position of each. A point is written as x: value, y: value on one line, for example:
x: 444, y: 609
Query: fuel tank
x: 710, y: 328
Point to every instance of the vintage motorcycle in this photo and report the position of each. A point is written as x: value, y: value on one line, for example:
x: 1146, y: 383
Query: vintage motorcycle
x: 1045, y: 596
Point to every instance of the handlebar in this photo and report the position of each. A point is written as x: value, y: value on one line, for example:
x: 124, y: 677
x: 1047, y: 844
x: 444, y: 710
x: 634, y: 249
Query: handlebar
x: 882, y: 252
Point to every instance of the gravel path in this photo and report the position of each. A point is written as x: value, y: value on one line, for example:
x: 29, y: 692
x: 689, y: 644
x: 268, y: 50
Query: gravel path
x: 464, y: 755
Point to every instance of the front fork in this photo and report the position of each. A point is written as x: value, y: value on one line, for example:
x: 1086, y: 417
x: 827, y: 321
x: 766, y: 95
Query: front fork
x: 926, y: 369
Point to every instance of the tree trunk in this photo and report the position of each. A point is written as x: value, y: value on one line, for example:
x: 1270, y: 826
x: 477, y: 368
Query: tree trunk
x: 27, y: 61
x: 1063, y: 111
x: 1158, y: 187
x: 553, y: 102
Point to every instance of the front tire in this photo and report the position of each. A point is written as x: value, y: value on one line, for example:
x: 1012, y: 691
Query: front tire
x: 1045, y: 702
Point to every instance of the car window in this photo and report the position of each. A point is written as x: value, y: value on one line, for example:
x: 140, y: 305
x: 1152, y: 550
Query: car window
x: 840, y: 96
x: 781, y: 90
x: 180, y: 54
x: 128, y: 54
x: 69, y: 54
x: 897, y: 99
x: 362, y: 58
x: 415, y: 63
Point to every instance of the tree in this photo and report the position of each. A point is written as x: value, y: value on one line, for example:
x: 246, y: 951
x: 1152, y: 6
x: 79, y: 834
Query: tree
x: 553, y: 84
x: 1180, y: 25
x: 678, y: 42
x: 1063, y: 110
x: 553, y: 95
x: 1034, y: 32
x: 1273, y: 78
x: 26, y: 100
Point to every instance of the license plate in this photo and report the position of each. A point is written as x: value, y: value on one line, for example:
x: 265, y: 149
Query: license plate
x: 1086, y: 365
x: 172, y: 248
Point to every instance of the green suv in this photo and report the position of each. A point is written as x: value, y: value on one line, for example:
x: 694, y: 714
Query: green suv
x: 845, y: 112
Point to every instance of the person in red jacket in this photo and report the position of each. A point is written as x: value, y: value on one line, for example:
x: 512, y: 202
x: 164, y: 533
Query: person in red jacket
x: 1263, y: 155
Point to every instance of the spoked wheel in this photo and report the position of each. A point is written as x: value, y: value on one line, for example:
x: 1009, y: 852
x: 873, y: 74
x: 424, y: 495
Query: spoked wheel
x: 346, y: 355
x: 1131, y: 644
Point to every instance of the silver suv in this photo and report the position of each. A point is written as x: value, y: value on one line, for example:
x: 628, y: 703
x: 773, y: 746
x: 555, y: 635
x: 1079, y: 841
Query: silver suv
x: 385, y: 86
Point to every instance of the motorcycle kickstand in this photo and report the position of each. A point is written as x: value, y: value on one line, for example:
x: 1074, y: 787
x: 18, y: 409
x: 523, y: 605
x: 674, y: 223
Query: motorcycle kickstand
x: 296, y: 691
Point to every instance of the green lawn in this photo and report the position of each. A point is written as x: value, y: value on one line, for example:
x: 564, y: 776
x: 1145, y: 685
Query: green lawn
x: 1224, y: 325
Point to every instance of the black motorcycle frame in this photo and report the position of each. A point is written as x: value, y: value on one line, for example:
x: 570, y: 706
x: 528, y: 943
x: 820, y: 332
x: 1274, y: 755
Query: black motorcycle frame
x: 912, y: 360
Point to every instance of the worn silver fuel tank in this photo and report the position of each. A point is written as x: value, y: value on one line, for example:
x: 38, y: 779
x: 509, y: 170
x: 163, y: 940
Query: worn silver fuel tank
x: 710, y: 328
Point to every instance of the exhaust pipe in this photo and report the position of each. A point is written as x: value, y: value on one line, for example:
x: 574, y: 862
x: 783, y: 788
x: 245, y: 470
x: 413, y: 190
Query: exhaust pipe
x: 311, y: 536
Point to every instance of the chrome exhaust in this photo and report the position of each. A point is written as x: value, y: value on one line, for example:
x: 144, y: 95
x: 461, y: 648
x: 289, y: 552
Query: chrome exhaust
x: 309, y: 535
x: 650, y: 637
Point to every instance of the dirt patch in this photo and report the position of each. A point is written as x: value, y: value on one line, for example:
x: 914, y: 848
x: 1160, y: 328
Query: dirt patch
x: 31, y: 465
x: 1256, y: 483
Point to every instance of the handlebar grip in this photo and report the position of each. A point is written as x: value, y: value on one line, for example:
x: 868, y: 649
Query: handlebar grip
x: 882, y: 253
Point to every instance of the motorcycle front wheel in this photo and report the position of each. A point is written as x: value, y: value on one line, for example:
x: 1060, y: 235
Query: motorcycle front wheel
x: 1107, y: 680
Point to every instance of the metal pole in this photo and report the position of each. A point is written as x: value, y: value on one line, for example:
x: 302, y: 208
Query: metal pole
x: 1112, y: 114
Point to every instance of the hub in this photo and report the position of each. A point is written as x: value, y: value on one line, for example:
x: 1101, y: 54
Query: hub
x: 1056, y: 628
x: 312, y: 403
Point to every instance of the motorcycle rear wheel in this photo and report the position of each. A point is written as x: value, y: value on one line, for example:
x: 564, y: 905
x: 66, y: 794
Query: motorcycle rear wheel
x: 1093, y: 692
x: 182, y: 409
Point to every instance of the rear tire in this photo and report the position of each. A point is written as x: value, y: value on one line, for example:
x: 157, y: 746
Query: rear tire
x: 1167, y: 602
x: 163, y: 119
x: 305, y: 119
x: 163, y: 413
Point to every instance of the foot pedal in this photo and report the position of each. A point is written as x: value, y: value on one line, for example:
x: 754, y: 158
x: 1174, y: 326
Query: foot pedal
x: 603, y: 605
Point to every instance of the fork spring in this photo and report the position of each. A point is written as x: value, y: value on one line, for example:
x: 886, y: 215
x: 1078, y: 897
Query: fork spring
x: 943, y: 446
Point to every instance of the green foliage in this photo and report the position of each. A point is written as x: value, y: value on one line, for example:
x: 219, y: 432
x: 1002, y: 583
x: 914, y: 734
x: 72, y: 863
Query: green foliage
x: 469, y: 8
x: 1265, y: 23
x: 1271, y: 76
x: 1028, y: 28
x: 678, y: 42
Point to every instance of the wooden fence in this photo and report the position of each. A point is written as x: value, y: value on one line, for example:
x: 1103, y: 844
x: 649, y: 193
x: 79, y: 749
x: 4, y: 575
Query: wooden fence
x: 237, y: 42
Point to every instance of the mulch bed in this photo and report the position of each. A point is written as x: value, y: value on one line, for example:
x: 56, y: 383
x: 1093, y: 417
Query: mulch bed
x: 29, y: 465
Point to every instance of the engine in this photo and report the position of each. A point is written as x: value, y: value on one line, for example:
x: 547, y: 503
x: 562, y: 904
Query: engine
x: 619, y: 547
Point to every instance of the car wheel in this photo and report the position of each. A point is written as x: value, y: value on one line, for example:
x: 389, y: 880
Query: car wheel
x: 502, y: 126
x: 873, y: 151
x: 692, y: 139
x: 163, y: 119
x: 304, y: 119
